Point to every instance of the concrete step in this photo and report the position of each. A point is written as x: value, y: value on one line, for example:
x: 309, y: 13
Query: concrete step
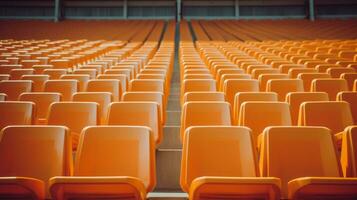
x: 173, y: 118
x: 171, y: 138
x: 173, y: 105
x: 167, y: 196
x: 168, y: 165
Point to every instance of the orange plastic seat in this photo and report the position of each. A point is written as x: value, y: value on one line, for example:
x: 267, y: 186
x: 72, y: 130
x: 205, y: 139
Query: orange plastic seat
x: 14, y: 88
x: 330, y: 86
x: 351, y: 98
x: 283, y: 86
x: 55, y: 73
x: 307, y: 78
x: 16, y: 74
x: 65, y: 87
x: 203, y: 96
x: 156, y: 97
x: 295, y: 99
x: 334, y: 115
x: 105, y: 85
x: 91, y: 72
x: 197, y: 85
x: 242, y: 97
x: 225, y: 77
x: 305, y: 159
x: 29, y: 156
x: 264, y: 78
x: 348, y: 152
x: 336, y: 72
x: 232, y: 86
x: 204, y: 113
x: 123, y: 168
x: 145, y: 85
x: 294, y: 72
x: 137, y: 114
x: 38, y: 81
x: 350, y: 78
x: 259, y: 115
x: 122, y: 79
x: 75, y: 116
x: 219, y: 162
x: 42, y: 101
x: 16, y: 113
x: 81, y: 78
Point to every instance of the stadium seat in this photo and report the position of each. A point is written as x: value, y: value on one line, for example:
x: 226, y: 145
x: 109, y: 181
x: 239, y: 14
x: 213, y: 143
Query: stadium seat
x: 197, y: 85
x: 203, y: 96
x: 42, y: 101
x: 137, y: 114
x: 264, y: 78
x: 16, y: 113
x: 348, y: 151
x: 29, y: 156
x: 81, y: 78
x: 38, y: 81
x: 242, y: 97
x: 219, y: 162
x: 254, y: 115
x: 65, y: 87
x: 330, y: 86
x: 233, y: 86
x: 307, y: 78
x: 334, y: 115
x: 55, y: 73
x: 14, y: 88
x: 284, y: 86
x: 350, y: 78
x: 106, y: 85
x: 16, y: 74
x: 351, y: 98
x: 123, y: 168
x: 305, y: 159
x: 295, y: 99
x: 204, y: 113
x: 156, y: 97
x: 336, y: 72
x: 140, y: 85
x: 103, y: 99
x: 75, y: 116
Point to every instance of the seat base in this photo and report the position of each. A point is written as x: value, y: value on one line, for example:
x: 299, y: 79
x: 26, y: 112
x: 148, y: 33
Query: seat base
x: 109, y: 187
x: 235, y: 188
x: 21, y: 188
x: 322, y: 188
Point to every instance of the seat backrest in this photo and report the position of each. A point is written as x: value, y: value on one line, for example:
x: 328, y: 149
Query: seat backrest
x: 284, y: 86
x: 217, y: 151
x: 264, y: 78
x: 146, y: 85
x: 14, y: 88
x: 39, y: 152
x: 136, y: 114
x: 330, y: 86
x: 3, y: 97
x: 205, y: 113
x: 156, y: 97
x: 197, y: 85
x: 225, y: 77
x: 122, y: 79
x: 259, y: 115
x: 54, y: 73
x: 295, y: 99
x: 351, y: 98
x: 118, y: 151
x: 331, y: 114
x: 350, y: 78
x: 42, y: 101
x: 16, y: 113
x: 232, y: 86
x: 293, y: 152
x: 38, y: 81
x: 307, y: 78
x: 65, y: 87
x: 102, y: 98
x: 74, y: 115
x: 335, y: 72
x: 16, y: 74
x: 81, y: 78
x: 106, y: 85
x: 348, y: 152
x: 91, y: 72
x: 203, y: 96
x: 242, y: 97
x: 294, y: 72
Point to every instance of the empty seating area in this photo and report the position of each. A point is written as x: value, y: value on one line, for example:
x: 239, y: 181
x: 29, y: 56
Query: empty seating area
x: 199, y: 109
